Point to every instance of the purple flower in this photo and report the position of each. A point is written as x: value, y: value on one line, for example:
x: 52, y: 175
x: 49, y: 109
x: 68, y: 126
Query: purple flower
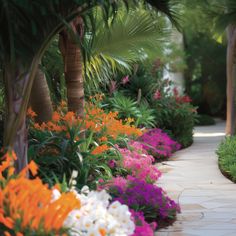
x: 145, y: 197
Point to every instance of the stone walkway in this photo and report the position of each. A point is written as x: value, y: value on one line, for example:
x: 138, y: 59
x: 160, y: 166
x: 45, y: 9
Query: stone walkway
x: 192, y: 178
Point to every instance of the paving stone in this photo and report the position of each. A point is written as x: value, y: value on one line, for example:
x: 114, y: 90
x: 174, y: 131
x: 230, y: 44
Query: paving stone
x: 206, y: 197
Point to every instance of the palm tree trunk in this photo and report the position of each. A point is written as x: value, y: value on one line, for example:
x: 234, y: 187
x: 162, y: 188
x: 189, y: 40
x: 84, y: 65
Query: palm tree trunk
x: 40, y: 100
x: 73, y: 68
x: 18, y: 85
x: 231, y: 81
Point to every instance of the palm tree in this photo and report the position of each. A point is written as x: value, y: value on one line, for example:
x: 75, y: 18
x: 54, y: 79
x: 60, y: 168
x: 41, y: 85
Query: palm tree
x: 73, y: 66
x: 40, y: 100
x: 128, y: 39
x: 27, y: 28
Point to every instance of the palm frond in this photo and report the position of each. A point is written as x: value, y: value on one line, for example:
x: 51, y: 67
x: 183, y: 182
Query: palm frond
x: 130, y: 38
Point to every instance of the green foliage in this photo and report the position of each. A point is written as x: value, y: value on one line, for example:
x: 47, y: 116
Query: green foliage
x: 130, y: 38
x: 58, y: 155
x: 227, y: 157
x: 203, y: 119
x: 205, y: 74
x: 145, y: 117
x: 126, y: 107
x: 141, y: 82
x: 177, y: 118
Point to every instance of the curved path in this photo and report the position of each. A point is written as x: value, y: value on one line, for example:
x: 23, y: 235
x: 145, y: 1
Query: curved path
x: 192, y: 178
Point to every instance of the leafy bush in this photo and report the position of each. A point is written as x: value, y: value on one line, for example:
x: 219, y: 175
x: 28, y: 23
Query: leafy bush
x: 141, y: 84
x: 227, y: 157
x: 142, y: 114
x: 176, y: 115
x: 203, y: 119
x: 125, y: 106
x: 145, y: 117
x: 59, y: 146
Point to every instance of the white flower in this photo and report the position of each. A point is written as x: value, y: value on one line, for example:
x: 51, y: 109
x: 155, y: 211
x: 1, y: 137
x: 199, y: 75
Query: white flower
x: 55, y: 195
x: 97, y: 214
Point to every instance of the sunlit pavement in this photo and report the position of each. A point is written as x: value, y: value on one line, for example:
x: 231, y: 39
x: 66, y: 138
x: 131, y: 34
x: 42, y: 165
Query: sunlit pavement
x: 206, y: 197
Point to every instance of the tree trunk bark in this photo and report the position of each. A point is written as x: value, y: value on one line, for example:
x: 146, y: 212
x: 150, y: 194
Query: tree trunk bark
x: 40, y: 100
x: 73, y: 68
x: 18, y: 84
x: 231, y: 81
x: 19, y: 143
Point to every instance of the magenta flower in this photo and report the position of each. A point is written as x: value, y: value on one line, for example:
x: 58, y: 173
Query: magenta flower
x: 125, y: 80
x: 142, y: 228
x: 141, y: 196
x: 158, y: 143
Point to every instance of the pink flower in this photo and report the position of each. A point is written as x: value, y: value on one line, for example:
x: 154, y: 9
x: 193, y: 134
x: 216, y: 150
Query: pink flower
x: 111, y: 163
x: 157, y: 95
x: 125, y: 80
x: 112, y: 87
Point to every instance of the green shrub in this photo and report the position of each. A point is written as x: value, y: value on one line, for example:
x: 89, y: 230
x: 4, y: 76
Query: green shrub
x: 176, y: 117
x: 126, y: 107
x: 227, y: 157
x: 203, y: 119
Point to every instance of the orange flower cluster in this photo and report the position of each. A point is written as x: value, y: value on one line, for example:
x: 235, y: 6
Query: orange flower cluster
x: 97, y: 120
x: 31, y: 113
x: 30, y: 202
x: 100, y: 149
x: 104, y: 125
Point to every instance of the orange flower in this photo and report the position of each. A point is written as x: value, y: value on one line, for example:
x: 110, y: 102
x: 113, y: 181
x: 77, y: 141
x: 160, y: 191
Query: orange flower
x: 19, y: 234
x: 20, y: 193
x: 31, y: 113
x: 56, y: 116
x: 102, y: 232
x: 37, y: 126
x: 103, y: 139
x: 100, y: 149
x: 70, y: 118
x: 6, y: 233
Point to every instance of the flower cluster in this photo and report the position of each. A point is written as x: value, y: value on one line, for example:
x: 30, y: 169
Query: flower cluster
x: 96, y: 120
x: 27, y: 205
x: 181, y: 99
x: 142, y: 227
x: 142, y: 196
x: 98, y: 217
x: 139, y: 163
x: 158, y: 143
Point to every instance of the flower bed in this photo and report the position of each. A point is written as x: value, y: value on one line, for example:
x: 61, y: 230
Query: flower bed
x: 123, y: 199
